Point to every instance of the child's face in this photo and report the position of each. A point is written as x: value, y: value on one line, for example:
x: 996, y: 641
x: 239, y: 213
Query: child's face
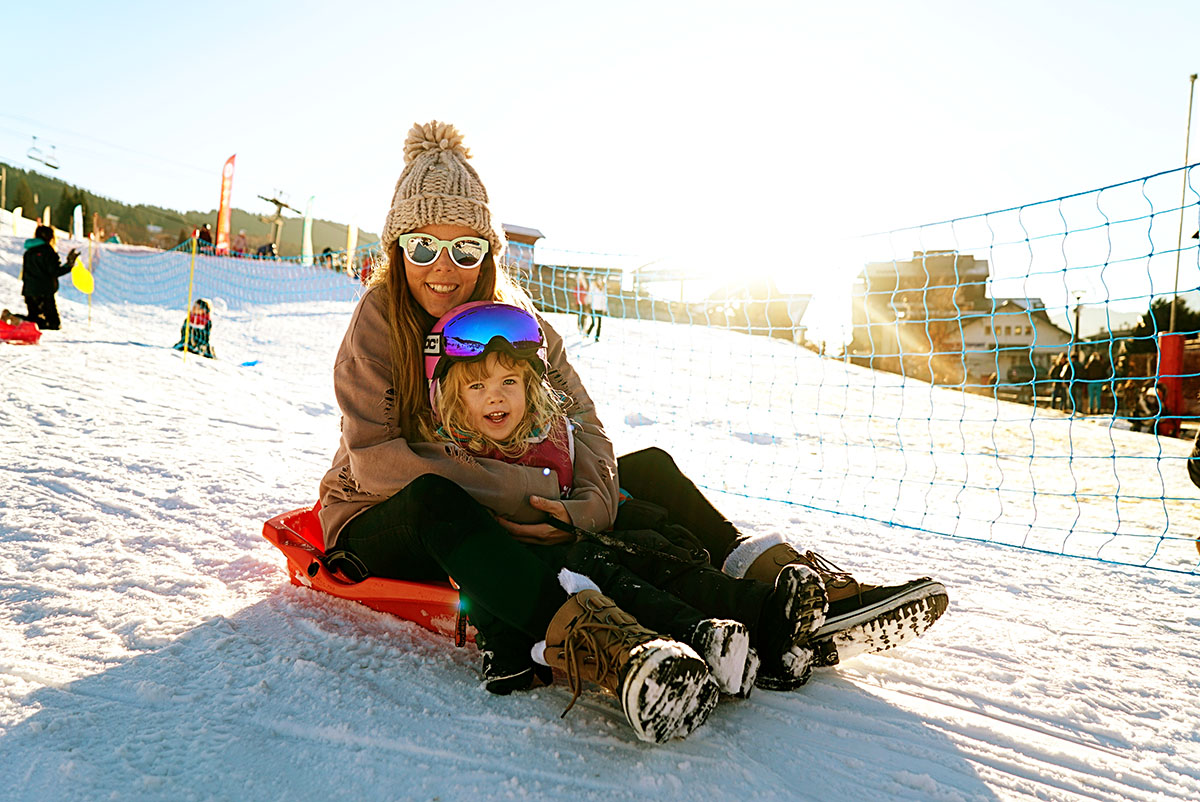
x: 495, y: 404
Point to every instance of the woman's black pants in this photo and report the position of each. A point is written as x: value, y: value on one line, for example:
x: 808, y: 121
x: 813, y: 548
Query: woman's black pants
x: 433, y: 529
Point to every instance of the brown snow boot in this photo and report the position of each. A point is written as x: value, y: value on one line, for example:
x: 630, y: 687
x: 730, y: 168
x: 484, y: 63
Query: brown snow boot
x: 666, y: 690
x: 839, y: 584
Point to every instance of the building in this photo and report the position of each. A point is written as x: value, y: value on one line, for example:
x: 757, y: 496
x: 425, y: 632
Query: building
x: 907, y: 315
x: 1016, y: 340
x: 931, y: 318
x: 519, y: 253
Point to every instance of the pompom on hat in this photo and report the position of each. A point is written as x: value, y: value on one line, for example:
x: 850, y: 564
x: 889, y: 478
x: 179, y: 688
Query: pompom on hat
x: 439, y: 186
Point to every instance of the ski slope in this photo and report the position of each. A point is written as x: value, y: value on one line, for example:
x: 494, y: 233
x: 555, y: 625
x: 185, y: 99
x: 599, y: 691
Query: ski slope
x: 151, y: 647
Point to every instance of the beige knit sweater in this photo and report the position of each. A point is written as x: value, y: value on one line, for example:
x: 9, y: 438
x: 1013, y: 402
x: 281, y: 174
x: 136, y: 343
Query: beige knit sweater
x: 374, y: 460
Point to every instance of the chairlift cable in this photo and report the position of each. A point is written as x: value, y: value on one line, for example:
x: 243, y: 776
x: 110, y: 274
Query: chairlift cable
x: 142, y: 153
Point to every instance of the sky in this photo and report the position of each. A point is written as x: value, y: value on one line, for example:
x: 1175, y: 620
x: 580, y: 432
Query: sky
x: 636, y: 128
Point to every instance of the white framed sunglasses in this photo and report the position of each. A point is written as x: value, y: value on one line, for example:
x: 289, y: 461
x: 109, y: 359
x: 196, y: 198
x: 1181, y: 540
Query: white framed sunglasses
x: 424, y: 249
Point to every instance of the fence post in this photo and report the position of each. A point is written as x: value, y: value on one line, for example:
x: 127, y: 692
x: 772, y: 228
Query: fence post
x: 187, y: 328
x: 1170, y: 377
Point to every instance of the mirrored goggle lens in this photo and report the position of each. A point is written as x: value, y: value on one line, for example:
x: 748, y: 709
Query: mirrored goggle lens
x: 469, y: 334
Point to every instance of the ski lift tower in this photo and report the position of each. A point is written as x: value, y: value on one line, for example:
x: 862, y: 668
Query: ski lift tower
x: 276, y: 220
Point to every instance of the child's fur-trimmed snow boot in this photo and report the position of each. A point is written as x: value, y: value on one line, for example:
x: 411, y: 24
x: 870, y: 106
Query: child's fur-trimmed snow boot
x: 665, y: 688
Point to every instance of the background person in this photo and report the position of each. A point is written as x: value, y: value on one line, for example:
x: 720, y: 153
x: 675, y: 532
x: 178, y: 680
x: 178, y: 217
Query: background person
x: 41, y: 270
x: 196, y: 330
x: 598, y: 301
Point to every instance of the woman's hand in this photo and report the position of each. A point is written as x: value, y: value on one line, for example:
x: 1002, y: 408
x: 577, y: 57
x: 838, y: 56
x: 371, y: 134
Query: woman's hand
x: 541, y: 534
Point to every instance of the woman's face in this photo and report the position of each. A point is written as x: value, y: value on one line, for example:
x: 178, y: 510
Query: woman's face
x: 443, y: 285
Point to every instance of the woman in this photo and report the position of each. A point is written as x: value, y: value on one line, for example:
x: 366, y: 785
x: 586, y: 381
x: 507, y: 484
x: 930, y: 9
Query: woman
x: 396, y: 505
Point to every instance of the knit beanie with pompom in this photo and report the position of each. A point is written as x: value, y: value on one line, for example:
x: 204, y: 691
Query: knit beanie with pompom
x: 439, y: 186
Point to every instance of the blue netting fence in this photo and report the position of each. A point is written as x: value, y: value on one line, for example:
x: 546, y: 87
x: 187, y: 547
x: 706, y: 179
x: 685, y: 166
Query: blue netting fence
x: 995, y: 378
x: 144, y: 276
x: 1008, y: 377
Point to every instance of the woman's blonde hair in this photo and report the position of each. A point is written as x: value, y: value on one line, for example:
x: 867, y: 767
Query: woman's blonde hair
x: 408, y: 323
x: 542, y: 406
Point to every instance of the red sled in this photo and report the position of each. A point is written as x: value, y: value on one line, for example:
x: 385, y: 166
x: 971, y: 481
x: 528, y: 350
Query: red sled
x: 298, y: 535
x: 24, y: 332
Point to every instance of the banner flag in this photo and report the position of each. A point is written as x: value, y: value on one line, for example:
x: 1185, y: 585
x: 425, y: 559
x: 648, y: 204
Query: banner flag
x: 351, y: 244
x: 46, y: 217
x: 77, y: 222
x: 222, y: 243
x: 306, y: 249
x: 16, y: 216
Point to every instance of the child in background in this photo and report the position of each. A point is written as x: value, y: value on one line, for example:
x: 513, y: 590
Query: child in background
x: 495, y: 404
x: 194, y: 333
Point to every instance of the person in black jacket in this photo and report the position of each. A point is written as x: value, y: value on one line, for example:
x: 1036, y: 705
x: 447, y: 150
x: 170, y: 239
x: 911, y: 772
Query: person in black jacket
x: 40, y: 274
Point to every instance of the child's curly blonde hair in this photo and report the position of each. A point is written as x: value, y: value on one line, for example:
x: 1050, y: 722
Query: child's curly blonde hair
x: 542, y: 406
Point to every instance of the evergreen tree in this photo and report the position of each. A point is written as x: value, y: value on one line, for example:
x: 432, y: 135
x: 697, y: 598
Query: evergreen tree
x: 1158, y: 320
x: 61, y: 211
x: 23, y: 197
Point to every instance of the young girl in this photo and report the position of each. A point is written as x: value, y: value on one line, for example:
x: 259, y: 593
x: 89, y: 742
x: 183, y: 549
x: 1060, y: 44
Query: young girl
x: 195, y: 331
x: 485, y: 367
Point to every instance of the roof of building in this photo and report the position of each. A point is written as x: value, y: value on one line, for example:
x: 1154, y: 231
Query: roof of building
x: 529, y: 236
x: 1028, y: 304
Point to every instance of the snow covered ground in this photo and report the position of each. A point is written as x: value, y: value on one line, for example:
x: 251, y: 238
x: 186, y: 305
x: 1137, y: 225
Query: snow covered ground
x: 151, y: 647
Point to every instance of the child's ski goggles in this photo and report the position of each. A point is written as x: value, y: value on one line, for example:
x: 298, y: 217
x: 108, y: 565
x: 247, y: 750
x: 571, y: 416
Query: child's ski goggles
x: 424, y: 249
x: 468, y: 332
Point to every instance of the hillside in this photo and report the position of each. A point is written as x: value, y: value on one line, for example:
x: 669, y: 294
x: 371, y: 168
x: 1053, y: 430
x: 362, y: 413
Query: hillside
x: 34, y: 191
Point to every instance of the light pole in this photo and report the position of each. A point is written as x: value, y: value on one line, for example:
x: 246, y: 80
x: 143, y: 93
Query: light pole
x: 1075, y: 333
x: 1183, y: 197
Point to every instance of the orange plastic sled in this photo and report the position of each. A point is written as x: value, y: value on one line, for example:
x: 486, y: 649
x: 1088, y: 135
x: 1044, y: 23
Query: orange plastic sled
x: 24, y: 332
x: 298, y: 535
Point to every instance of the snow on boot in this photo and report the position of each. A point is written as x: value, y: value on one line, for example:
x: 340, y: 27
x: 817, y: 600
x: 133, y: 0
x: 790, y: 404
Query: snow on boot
x: 665, y: 689
x: 750, y: 677
x: 879, y: 618
x: 793, y: 670
x: 725, y: 646
x: 793, y: 612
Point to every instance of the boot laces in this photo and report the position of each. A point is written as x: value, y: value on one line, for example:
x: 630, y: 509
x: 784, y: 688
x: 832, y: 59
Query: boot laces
x: 603, y: 643
x: 831, y: 575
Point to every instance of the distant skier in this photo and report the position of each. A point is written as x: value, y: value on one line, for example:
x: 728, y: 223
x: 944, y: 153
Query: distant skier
x: 194, y: 333
x: 41, y: 271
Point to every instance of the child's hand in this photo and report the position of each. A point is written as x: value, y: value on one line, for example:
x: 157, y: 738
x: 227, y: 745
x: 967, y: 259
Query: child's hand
x: 541, y: 534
